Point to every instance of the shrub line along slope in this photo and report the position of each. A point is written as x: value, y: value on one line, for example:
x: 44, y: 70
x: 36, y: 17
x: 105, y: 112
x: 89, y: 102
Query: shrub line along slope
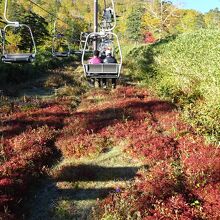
x: 185, y: 70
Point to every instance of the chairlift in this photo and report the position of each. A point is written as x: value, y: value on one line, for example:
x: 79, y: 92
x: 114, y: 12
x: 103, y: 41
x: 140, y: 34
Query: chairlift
x: 16, y: 57
x: 108, y: 17
x: 62, y: 42
x: 101, y: 40
x: 103, y: 70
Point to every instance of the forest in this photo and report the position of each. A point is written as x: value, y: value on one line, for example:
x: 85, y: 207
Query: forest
x: 147, y: 149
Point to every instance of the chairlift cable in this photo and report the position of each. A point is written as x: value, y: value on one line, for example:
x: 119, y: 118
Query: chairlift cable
x: 53, y: 15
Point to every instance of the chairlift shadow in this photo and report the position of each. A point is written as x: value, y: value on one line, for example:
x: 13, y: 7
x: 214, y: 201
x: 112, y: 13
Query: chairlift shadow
x: 89, y: 172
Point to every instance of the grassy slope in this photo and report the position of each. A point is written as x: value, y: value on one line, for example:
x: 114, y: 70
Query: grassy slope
x: 186, y: 71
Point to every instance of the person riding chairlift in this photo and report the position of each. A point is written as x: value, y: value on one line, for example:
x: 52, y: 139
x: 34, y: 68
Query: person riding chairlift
x: 95, y: 59
x: 109, y: 59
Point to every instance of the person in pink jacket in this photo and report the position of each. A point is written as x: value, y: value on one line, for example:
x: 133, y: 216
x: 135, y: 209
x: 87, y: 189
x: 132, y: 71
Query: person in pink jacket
x: 95, y: 59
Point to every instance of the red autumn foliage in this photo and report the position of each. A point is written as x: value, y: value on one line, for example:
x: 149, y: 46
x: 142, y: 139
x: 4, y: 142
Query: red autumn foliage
x: 210, y: 195
x: 200, y: 162
x: 180, y: 162
x: 27, y: 146
x: 149, y: 38
x: 182, y: 181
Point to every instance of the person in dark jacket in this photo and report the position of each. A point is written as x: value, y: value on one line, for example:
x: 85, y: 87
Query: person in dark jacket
x: 109, y: 58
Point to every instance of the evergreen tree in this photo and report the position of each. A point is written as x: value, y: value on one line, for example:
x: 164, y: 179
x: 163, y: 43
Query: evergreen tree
x: 134, y: 24
x: 39, y: 28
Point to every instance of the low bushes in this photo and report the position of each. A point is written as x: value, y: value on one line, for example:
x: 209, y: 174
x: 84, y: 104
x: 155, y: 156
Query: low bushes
x: 180, y: 179
x: 27, y: 149
x: 185, y: 70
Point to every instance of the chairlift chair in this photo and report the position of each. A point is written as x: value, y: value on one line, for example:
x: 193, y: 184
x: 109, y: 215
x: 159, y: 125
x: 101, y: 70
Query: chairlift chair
x: 103, y: 70
x: 108, y: 22
x: 16, y: 57
x: 60, y: 37
x: 57, y: 53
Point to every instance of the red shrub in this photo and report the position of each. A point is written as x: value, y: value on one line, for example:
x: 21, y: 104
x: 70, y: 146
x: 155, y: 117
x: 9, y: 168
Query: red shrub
x: 201, y: 163
x: 210, y: 197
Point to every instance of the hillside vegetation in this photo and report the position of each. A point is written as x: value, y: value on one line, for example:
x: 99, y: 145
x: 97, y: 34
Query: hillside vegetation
x: 70, y: 152
x: 185, y: 70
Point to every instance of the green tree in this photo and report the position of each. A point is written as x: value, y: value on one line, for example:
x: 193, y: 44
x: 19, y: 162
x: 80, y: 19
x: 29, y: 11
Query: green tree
x: 191, y: 20
x: 134, y: 24
x: 212, y: 18
x: 39, y: 28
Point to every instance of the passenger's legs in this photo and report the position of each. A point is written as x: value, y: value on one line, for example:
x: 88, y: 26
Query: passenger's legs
x: 114, y: 83
x: 91, y: 82
x: 104, y: 83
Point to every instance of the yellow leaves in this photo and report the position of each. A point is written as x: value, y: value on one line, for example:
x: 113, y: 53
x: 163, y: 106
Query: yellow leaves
x: 149, y: 21
x: 13, y: 40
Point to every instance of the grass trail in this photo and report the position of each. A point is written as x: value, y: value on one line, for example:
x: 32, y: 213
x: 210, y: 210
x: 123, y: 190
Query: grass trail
x: 76, y: 184
x: 81, y: 183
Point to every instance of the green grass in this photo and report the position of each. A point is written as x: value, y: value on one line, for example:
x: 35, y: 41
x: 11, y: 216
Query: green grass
x: 186, y: 70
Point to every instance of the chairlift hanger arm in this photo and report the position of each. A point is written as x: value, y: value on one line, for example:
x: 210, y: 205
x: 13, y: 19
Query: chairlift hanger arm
x: 16, y: 23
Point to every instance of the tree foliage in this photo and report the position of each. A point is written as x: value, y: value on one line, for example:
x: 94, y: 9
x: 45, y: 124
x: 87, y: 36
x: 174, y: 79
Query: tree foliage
x: 134, y: 24
x: 162, y: 18
x: 212, y: 19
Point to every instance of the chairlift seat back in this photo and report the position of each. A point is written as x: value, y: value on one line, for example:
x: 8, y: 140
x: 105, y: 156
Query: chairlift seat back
x: 110, y: 70
x: 18, y: 58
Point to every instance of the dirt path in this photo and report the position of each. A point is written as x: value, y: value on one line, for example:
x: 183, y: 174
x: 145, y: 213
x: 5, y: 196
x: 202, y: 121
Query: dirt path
x: 76, y: 184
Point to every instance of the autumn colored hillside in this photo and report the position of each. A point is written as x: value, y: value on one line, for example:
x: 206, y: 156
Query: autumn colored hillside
x: 180, y: 177
x: 147, y: 149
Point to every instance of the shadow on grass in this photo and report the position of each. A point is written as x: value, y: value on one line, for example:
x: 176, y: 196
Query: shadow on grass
x: 85, y: 194
x: 33, y: 120
x: 96, y: 173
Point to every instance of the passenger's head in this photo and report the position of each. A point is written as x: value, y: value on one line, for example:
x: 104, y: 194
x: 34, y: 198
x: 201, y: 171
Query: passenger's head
x: 108, y: 53
x: 96, y: 53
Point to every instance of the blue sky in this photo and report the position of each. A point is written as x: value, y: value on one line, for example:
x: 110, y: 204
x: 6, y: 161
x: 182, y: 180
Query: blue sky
x: 199, y: 5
